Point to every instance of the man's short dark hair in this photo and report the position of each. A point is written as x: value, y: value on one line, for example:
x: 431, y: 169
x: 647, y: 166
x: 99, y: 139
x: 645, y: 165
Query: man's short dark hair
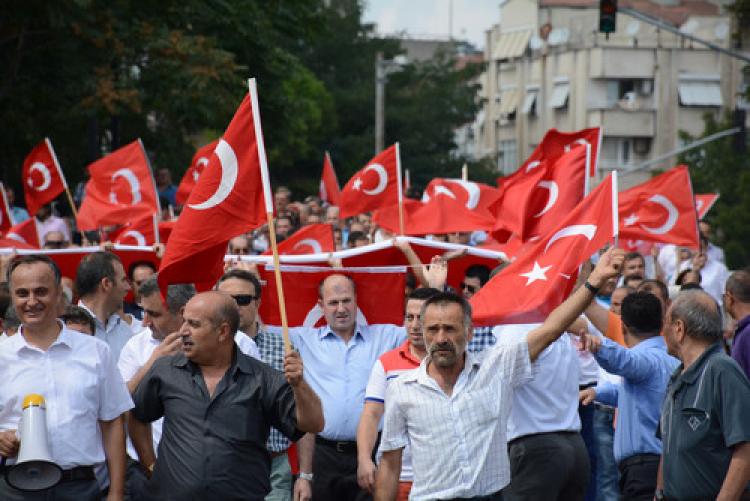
x: 634, y: 255
x: 700, y: 314
x: 357, y: 235
x: 738, y: 285
x: 351, y: 280
x: 240, y: 274
x: 479, y: 271
x: 423, y: 293
x: 651, y: 284
x: 177, y: 294
x: 641, y: 314
x: 78, y: 315
x: 446, y: 298
x: 137, y: 264
x: 92, y: 269
x: 31, y: 259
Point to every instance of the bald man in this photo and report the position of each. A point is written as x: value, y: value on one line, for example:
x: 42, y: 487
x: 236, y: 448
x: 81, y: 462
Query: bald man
x: 218, y: 405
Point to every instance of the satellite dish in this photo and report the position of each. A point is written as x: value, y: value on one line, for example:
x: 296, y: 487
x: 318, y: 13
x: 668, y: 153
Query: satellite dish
x: 632, y: 28
x: 536, y: 43
x: 558, y: 36
x: 721, y: 31
x: 690, y: 26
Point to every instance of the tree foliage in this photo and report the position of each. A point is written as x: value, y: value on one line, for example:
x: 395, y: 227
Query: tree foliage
x: 717, y: 167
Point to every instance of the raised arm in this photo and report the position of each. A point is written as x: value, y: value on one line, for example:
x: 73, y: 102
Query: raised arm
x: 309, y: 409
x: 561, y: 317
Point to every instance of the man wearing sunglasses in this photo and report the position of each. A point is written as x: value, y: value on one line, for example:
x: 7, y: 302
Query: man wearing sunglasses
x: 55, y: 240
x: 245, y: 288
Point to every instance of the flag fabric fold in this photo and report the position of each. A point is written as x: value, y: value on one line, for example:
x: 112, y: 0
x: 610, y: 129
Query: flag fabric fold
x: 43, y: 180
x: 329, y: 183
x: 374, y: 186
x: 199, y: 162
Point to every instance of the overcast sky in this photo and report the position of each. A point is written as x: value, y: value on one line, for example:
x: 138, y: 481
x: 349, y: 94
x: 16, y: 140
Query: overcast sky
x: 430, y: 17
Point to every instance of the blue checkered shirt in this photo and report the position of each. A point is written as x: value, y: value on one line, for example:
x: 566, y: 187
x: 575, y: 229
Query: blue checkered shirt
x: 271, y: 347
x: 483, y: 338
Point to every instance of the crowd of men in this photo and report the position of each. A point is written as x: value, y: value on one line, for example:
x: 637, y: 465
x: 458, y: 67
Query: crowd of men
x: 635, y: 387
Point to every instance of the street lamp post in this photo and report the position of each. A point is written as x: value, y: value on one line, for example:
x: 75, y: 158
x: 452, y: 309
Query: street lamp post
x: 383, y: 68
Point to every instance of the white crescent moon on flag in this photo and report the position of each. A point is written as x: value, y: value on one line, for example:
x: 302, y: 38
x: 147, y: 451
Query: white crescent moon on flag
x: 672, y: 211
x: 533, y: 165
x: 135, y: 235
x: 699, y: 204
x: 577, y: 141
x: 229, y: 172
x: 587, y: 230
x: 439, y: 190
x: 553, y: 193
x: 135, y: 185
x: 202, y: 162
x: 46, y: 176
x: 310, y: 242
x: 472, y: 190
x: 382, y: 179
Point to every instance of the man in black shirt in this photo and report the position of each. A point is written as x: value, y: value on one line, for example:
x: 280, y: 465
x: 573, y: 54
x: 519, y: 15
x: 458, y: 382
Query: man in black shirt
x: 218, y: 406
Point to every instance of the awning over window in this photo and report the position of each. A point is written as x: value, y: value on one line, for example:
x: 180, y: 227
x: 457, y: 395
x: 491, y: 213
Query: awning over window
x: 559, y: 95
x: 512, y: 45
x: 509, y: 101
x: 529, y: 100
x: 700, y: 90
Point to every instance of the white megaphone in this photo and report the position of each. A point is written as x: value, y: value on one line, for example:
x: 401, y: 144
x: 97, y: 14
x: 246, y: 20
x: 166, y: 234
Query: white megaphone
x: 34, y: 470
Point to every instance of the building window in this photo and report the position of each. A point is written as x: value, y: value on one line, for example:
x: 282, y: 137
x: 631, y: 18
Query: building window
x: 529, y: 102
x: 560, y: 91
x: 617, y: 153
x: 699, y: 90
x: 509, y: 98
x: 507, y: 157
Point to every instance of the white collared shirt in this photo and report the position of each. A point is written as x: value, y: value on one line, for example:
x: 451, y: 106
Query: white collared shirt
x: 549, y: 402
x: 457, y: 442
x: 80, y: 384
x: 139, y: 349
x: 115, y: 331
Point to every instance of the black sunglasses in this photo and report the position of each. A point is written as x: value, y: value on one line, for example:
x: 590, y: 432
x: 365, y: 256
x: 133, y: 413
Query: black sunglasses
x: 244, y: 299
x: 470, y: 288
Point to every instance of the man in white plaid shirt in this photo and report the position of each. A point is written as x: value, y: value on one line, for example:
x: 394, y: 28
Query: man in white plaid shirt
x: 453, y: 409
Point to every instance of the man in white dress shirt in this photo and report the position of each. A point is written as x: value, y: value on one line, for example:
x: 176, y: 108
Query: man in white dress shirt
x: 453, y: 410
x: 84, y: 394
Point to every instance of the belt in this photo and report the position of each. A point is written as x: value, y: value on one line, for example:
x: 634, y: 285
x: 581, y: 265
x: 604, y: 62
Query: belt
x: 496, y: 496
x: 71, y: 475
x: 604, y: 408
x: 342, y: 446
x: 637, y: 459
x: 534, y: 435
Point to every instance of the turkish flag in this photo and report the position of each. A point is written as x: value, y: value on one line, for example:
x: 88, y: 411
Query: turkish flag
x: 533, y: 202
x: 310, y: 239
x: 12, y: 243
x: 200, y: 161
x: 441, y: 214
x: 329, y: 184
x: 68, y: 259
x: 26, y: 232
x: 704, y: 202
x: 42, y: 177
x: 165, y: 230
x: 376, y: 185
x: 661, y: 210
x: 6, y: 219
x: 140, y: 232
x: 476, y: 197
x: 228, y: 200
x: 380, y: 295
x: 544, y: 275
x: 121, y: 189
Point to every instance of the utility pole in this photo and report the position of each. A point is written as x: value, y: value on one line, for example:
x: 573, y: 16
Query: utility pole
x: 379, y: 103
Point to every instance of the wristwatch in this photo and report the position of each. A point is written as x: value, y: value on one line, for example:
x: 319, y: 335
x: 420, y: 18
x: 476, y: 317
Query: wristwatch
x: 306, y: 476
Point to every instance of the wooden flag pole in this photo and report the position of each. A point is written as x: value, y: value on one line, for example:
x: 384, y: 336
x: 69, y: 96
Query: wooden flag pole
x: 586, y: 176
x: 465, y: 172
x: 268, y: 199
x: 400, y: 191
x: 62, y: 177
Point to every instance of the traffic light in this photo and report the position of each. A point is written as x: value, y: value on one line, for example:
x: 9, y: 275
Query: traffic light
x: 607, y: 16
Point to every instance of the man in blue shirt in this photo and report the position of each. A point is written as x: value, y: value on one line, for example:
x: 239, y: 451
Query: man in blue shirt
x: 338, y: 359
x: 645, y: 368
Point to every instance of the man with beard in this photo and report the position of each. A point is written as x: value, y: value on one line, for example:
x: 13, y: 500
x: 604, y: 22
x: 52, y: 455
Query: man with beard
x: 389, y: 366
x: 453, y: 409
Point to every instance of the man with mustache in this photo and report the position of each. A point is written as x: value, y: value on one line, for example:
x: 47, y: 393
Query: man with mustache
x: 453, y: 409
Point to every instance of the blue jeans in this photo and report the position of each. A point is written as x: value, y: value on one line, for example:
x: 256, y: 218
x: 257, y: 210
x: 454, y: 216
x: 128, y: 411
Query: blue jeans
x: 607, y: 479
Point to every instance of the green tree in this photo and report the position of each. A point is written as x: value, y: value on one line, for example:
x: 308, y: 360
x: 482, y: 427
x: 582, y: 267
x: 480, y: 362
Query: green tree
x: 718, y: 167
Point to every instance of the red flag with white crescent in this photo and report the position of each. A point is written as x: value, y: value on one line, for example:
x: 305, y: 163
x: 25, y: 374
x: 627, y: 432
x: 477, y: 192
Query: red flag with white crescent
x: 310, y: 239
x: 477, y: 197
x: 121, y: 189
x: 43, y: 180
x: 139, y: 232
x: 376, y: 185
x: 544, y: 274
x: 26, y: 232
x: 199, y: 162
x: 704, y: 202
x: 329, y: 183
x: 6, y: 218
x: 661, y: 210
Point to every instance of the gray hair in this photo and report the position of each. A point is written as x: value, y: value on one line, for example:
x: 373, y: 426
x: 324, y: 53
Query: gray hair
x: 700, y: 314
x: 445, y: 298
x: 177, y: 295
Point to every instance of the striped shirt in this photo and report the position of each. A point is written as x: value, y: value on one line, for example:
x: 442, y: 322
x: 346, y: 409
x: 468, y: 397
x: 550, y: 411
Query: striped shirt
x: 458, y: 442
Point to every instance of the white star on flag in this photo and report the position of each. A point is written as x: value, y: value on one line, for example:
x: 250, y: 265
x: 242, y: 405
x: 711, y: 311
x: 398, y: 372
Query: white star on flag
x: 357, y: 184
x: 537, y: 273
x: 630, y: 220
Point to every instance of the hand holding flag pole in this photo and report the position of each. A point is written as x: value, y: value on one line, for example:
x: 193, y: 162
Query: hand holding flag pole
x: 268, y: 199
